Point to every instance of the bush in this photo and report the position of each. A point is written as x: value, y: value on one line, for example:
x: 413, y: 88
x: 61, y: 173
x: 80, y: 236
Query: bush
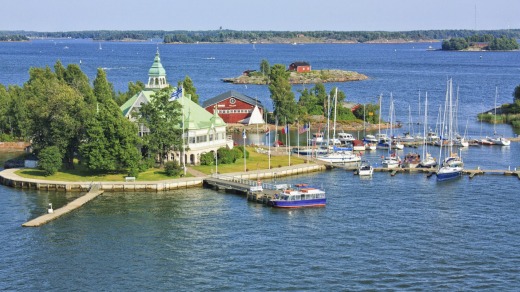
x: 207, y: 158
x: 239, y: 152
x: 226, y: 156
x: 172, y: 168
x: 49, y: 160
x: 6, y: 137
x: 134, y: 172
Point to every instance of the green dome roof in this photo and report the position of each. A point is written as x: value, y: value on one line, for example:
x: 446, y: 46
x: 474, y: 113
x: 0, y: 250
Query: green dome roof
x: 157, y: 69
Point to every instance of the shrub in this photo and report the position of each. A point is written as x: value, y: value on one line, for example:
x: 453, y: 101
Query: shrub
x: 239, y: 151
x: 225, y: 156
x: 172, y: 168
x: 207, y: 158
x: 49, y: 160
x: 6, y: 137
x: 134, y: 171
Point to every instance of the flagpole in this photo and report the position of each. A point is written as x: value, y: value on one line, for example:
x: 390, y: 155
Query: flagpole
x: 287, y: 140
x: 298, y: 139
x: 183, y: 143
x: 269, y: 148
x: 244, y: 137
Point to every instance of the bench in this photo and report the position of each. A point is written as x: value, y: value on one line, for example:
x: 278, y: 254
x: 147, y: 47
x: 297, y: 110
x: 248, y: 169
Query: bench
x: 130, y: 178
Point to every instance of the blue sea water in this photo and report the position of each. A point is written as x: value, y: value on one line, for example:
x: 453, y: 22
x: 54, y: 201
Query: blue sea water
x: 405, y: 232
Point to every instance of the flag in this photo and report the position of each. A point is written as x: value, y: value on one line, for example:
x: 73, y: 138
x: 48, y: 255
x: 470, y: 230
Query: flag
x: 285, y: 129
x: 176, y: 94
x: 304, y: 129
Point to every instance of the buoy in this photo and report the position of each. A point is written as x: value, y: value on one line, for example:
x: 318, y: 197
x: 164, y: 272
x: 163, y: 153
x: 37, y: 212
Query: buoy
x: 49, y: 209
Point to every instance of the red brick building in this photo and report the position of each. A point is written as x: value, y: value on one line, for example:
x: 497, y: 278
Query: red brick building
x: 300, y: 67
x: 233, y: 106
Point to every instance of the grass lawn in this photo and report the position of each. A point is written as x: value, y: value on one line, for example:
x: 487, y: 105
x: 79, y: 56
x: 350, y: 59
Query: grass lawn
x: 256, y: 161
x: 82, y: 174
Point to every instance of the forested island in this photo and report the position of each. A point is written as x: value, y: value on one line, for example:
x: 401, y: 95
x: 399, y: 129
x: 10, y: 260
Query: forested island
x: 486, y: 42
x: 234, y: 36
x: 13, y: 38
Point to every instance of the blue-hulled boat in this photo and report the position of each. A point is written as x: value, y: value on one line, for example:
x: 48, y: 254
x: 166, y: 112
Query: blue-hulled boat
x: 301, y: 196
x: 451, y: 168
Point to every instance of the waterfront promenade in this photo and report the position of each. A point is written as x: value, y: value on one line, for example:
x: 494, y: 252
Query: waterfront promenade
x: 9, y: 177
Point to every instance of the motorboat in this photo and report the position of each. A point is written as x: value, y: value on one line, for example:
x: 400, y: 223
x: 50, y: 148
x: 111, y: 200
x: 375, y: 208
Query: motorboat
x: 339, y: 157
x: 299, y: 196
x: 391, y: 161
x: 365, y: 169
x: 411, y: 160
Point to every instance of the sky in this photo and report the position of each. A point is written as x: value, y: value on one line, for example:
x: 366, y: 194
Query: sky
x: 277, y: 15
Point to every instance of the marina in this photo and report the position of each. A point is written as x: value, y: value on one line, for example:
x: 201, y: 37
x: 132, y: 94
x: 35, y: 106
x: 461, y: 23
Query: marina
x: 381, y: 233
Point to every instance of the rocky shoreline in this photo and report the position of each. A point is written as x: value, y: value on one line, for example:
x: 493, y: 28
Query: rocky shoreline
x: 313, y: 77
x: 315, y: 127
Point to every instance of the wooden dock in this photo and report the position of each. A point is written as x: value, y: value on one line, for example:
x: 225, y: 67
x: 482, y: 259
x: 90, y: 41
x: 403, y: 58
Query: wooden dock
x: 44, y: 219
x: 254, y: 190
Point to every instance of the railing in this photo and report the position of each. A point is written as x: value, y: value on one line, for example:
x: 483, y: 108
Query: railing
x: 255, y: 185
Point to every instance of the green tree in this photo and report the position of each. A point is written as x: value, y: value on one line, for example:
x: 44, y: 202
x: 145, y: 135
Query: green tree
x: 371, y: 113
x: 265, y: 68
x: 342, y: 113
x: 516, y: 95
x: 162, y: 117
x: 18, y: 113
x: 189, y: 88
x: 56, y: 113
x: 172, y: 168
x: 49, y: 160
x: 111, y: 140
x: 133, y: 89
x: 283, y: 98
x: 76, y: 79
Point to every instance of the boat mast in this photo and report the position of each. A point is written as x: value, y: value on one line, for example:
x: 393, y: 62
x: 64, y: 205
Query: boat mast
x: 335, y: 112
x: 425, y: 127
x: 380, y: 113
x: 495, y: 122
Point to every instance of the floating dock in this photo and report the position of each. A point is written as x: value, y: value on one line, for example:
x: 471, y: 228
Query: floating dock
x: 44, y: 219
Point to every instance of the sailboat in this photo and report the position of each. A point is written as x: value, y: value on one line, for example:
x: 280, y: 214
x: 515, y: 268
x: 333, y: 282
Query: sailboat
x: 427, y: 161
x: 452, y: 165
x: 383, y: 142
x: 458, y: 140
x: 342, y: 156
x: 392, y: 160
x: 498, y: 140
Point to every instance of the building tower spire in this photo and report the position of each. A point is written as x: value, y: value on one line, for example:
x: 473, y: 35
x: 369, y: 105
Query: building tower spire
x: 157, y: 74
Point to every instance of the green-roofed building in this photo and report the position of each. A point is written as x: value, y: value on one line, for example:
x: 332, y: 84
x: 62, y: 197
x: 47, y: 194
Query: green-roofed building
x: 203, y: 132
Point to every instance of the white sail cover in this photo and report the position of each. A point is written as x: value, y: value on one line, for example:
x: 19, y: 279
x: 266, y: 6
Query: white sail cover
x: 254, y: 118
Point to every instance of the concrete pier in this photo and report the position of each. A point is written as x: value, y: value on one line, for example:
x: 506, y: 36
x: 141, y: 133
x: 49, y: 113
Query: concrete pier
x: 65, y: 209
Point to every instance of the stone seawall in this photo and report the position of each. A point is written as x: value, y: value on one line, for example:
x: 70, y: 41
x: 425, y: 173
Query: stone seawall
x: 20, y: 146
x: 8, y: 177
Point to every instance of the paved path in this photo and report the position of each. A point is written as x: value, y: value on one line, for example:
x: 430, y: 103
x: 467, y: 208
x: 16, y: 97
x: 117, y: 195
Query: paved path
x: 195, y: 173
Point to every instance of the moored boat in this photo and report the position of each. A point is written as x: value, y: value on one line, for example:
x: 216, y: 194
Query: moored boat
x: 500, y: 141
x: 365, y: 169
x: 358, y: 145
x: 452, y: 167
x: 391, y: 161
x: 299, y: 196
x: 411, y: 160
x: 339, y: 157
